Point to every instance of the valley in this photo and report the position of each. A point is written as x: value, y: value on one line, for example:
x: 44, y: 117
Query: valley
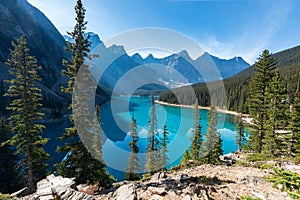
x: 82, y: 117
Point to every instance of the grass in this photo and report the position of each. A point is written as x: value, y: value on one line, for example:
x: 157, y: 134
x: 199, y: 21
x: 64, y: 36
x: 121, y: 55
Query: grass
x: 249, y: 198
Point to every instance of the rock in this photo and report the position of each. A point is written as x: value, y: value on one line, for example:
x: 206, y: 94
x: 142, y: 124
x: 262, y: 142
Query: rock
x: 156, y: 197
x: 145, y: 195
x: 59, y: 188
x: 184, y: 177
x: 205, y: 195
x: 195, y: 197
x: 158, y: 176
x: 19, y: 193
x: 293, y: 168
x: 88, y: 189
x: 47, y: 187
x: 172, y: 194
x: 233, y: 182
x: 213, y: 189
x: 157, y: 190
x: 186, y: 197
x: 125, y: 192
x: 169, y: 181
x: 70, y: 194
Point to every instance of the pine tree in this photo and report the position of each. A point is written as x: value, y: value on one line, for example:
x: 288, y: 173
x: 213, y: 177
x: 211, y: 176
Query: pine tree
x: 185, y: 159
x: 26, y: 114
x: 217, y: 150
x: 164, y: 148
x: 3, y: 100
x: 79, y: 162
x: 153, y: 151
x: 258, y: 100
x: 9, y: 175
x: 276, y: 118
x: 294, y: 126
x: 212, y: 139
x: 197, y: 136
x: 133, y: 161
x: 240, y: 138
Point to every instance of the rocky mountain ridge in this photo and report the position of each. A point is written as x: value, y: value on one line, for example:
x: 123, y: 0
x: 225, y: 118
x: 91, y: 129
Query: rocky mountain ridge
x: 172, y: 71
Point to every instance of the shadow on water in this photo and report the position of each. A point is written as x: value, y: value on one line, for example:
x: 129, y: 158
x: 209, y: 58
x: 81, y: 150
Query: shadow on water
x: 53, y: 131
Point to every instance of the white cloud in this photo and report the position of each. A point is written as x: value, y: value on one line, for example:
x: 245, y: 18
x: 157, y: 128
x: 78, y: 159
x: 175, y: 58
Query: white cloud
x: 256, y: 37
x: 218, y: 48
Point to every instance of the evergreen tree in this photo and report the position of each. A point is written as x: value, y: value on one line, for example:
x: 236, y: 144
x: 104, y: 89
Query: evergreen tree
x: 185, y: 158
x: 164, y: 148
x: 212, y: 140
x: 26, y: 114
x: 3, y: 100
x: 152, y: 164
x: 79, y: 162
x: 9, y: 176
x: 240, y: 138
x: 197, y: 136
x: 294, y: 126
x: 133, y: 161
x: 217, y: 150
x: 258, y: 100
x: 276, y: 118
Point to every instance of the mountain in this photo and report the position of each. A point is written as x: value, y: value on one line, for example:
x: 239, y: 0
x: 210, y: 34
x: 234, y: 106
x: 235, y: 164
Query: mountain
x: 181, y: 68
x: 236, y: 87
x: 94, y: 39
x: 18, y: 17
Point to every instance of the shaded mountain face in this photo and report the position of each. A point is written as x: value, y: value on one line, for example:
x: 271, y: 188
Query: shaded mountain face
x: 18, y: 17
x: 172, y: 71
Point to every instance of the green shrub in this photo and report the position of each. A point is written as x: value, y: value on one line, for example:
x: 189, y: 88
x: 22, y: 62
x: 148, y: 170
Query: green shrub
x: 242, y: 163
x: 297, y: 160
x: 146, y: 177
x: 256, y: 157
x: 290, y: 182
x: 249, y: 198
x: 5, y: 197
x: 267, y: 166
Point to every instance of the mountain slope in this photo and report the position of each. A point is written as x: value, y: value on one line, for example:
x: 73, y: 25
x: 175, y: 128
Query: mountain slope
x: 181, y: 67
x: 18, y: 18
x: 236, y: 87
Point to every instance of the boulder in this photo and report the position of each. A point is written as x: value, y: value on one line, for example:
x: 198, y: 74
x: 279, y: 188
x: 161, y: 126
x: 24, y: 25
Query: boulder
x: 157, y: 177
x: 157, y: 190
x: 125, y: 192
x: 59, y: 188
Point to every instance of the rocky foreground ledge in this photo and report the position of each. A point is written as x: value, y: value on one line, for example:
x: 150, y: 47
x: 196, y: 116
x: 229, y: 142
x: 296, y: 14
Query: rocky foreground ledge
x: 203, y: 182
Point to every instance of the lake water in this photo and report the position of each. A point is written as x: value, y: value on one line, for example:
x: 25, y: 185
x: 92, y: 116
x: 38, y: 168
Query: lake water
x: 116, y: 116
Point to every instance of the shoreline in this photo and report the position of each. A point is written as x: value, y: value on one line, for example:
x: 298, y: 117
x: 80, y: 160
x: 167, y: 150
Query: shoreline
x: 200, y: 107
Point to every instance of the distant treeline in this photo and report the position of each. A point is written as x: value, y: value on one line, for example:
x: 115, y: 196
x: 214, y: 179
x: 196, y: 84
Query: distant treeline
x: 237, y: 87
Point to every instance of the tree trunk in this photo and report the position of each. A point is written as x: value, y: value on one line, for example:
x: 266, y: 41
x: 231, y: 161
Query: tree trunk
x: 30, y: 179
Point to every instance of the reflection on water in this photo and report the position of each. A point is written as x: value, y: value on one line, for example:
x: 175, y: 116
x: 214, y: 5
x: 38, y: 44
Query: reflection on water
x: 116, y: 116
x: 116, y: 128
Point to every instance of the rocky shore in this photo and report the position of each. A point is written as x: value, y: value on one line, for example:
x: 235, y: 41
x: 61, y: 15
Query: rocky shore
x: 205, y: 182
x: 192, y: 106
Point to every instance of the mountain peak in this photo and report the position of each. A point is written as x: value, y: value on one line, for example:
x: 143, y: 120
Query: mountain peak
x: 150, y: 56
x: 184, y: 54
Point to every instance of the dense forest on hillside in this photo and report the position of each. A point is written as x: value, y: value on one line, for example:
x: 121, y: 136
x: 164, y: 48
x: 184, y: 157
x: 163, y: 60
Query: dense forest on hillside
x: 237, y: 87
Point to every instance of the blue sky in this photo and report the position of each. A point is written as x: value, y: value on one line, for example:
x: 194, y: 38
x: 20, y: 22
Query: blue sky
x: 223, y: 28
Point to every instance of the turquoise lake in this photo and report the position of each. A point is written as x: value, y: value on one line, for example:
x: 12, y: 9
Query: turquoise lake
x: 116, y: 117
